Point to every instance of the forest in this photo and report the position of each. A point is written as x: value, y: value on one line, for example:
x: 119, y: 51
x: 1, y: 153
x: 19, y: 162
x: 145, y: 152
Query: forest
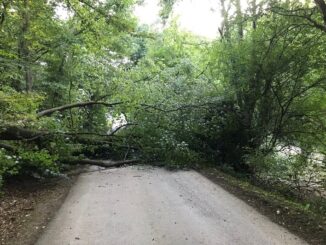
x: 251, y: 101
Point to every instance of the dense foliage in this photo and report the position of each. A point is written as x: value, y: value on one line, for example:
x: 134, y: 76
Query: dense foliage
x: 253, y: 100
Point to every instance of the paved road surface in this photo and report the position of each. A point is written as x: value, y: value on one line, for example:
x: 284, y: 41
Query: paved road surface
x: 143, y: 205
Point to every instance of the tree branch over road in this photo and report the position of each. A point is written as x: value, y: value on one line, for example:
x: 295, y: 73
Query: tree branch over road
x: 48, y: 112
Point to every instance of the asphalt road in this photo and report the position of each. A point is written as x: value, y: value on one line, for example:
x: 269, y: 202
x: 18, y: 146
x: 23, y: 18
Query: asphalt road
x: 143, y: 205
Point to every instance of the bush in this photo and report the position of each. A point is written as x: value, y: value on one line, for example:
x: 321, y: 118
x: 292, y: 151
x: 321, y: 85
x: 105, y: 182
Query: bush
x: 39, y: 161
x: 300, y: 172
x: 9, y: 165
x: 27, y: 162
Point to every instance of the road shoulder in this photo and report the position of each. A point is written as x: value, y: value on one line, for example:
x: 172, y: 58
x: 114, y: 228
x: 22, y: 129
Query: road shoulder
x: 293, y: 216
x: 27, y: 205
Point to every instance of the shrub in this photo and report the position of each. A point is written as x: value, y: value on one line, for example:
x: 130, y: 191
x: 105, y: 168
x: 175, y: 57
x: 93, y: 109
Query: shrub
x: 9, y: 165
x: 39, y: 161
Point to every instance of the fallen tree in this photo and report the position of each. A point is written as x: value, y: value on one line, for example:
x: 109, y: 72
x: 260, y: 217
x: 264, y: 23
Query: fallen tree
x: 104, y: 163
x: 21, y: 134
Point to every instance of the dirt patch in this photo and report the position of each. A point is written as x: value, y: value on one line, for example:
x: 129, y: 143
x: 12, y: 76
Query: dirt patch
x: 26, y: 206
x: 293, y: 216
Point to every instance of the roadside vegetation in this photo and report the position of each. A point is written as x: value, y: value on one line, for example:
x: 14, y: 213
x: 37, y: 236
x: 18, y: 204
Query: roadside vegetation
x: 251, y: 102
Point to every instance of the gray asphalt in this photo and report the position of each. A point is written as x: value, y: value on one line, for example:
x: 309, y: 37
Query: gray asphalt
x: 145, y: 205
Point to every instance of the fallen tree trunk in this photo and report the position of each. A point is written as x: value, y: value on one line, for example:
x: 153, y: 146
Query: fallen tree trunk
x: 105, y: 163
x: 14, y: 133
x: 50, y: 111
x: 18, y: 133
x: 7, y: 147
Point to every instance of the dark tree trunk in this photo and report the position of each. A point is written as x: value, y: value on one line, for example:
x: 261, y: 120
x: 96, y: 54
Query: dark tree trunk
x: 23, y: 49
x: 322, y: 6
x: 239, y: 18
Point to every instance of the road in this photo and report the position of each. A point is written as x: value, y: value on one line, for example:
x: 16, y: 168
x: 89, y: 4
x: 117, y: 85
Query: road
x: 142, y: 205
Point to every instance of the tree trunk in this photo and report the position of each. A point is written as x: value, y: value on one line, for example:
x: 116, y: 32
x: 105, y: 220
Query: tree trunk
x: 23, y: 49
x: 225, y: 26
x: 254, y: 14
x: 239, y: 18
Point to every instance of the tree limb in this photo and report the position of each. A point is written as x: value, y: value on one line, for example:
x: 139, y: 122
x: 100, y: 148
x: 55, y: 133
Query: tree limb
x: 306, y: 16
x: 120, y: 127
x: 48, y: 112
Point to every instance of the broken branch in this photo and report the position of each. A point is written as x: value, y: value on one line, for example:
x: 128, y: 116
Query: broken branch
x: 74, y: 105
